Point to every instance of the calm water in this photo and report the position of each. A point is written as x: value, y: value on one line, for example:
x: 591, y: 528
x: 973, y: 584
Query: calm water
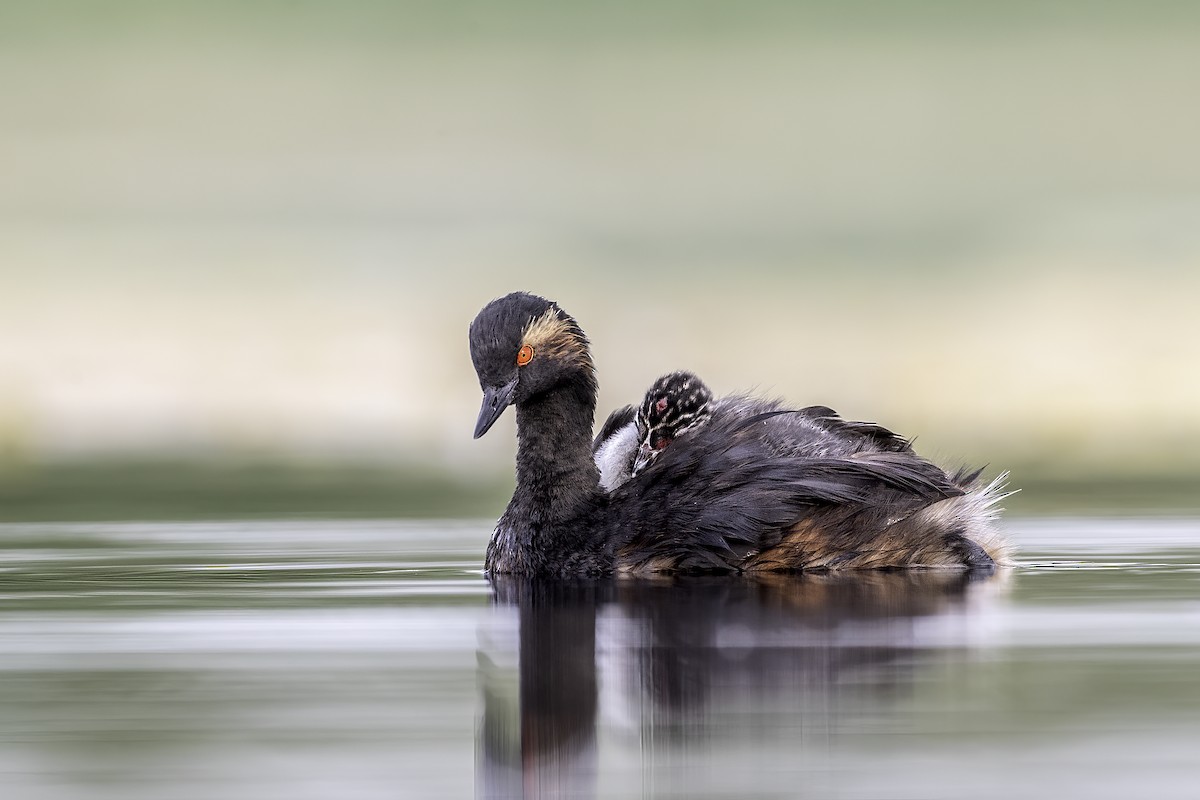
x: 318, y: 660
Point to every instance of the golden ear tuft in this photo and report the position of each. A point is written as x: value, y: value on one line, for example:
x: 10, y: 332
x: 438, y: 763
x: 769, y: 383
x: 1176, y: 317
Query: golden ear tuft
x: 524, y: 355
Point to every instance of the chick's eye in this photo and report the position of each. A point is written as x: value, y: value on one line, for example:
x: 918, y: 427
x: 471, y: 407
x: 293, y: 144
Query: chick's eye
x: 524, y: 355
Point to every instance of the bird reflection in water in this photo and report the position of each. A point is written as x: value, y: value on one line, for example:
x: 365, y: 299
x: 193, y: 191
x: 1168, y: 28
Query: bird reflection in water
x: 709, y: 667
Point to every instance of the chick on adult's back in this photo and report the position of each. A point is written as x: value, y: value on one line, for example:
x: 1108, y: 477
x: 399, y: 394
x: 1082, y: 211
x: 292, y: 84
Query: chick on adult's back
x: 631, y: 438
x: 756, y: 487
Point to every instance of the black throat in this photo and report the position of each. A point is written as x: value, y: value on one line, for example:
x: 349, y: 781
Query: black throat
x: 549, y: 527
x: 554, y: 445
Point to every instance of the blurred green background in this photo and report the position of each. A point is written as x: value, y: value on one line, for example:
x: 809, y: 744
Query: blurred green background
x: 241, y: 242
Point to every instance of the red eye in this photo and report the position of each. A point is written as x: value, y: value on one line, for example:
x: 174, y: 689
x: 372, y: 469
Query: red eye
x: 524, y: 355
x: 661, y: 442
x: 661, y: 405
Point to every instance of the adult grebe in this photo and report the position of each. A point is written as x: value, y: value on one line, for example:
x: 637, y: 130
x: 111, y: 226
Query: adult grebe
x: 756, y: 487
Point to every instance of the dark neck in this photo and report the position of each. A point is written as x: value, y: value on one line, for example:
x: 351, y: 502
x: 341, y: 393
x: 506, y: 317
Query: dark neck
x: 554, y: 451
x: 548, y: 528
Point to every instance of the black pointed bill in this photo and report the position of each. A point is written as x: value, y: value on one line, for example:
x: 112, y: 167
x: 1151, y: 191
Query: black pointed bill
x: 495, y: 400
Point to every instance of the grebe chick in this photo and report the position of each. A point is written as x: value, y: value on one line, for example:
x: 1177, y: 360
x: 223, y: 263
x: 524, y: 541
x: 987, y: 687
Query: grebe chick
x: 615, y: 447
x: 675, y: 404
x: 756, y: 488
x: 631, y: 439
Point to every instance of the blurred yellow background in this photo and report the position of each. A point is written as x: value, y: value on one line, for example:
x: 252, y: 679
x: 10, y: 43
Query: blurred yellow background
x: 241, y: 242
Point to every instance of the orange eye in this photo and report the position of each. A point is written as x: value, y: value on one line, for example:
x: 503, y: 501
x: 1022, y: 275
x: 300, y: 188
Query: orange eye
x: 524, y: 355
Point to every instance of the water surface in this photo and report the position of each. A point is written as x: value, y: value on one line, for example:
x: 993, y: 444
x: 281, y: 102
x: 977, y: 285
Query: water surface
x: 372, y: 659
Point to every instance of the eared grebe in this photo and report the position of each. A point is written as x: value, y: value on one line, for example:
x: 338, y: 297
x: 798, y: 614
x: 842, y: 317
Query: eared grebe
x: 630, y: 439
x: 757, y: 487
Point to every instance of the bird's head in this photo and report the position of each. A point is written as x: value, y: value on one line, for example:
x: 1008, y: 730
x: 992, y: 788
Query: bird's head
x: 522, y: 346
x: 675, y: 404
